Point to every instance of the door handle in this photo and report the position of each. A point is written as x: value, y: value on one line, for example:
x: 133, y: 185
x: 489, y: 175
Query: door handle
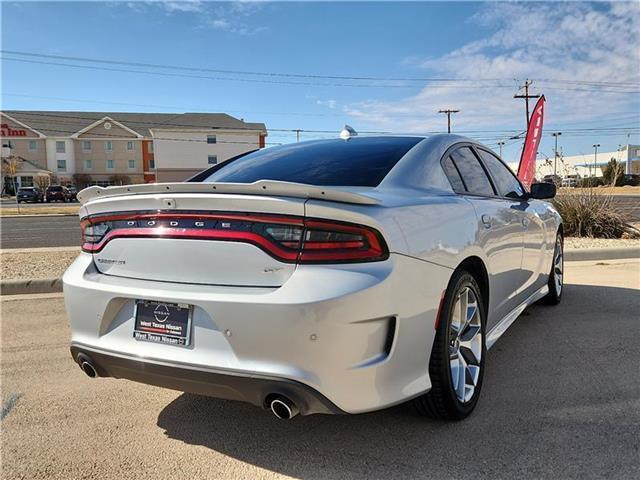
x: 486, y: 220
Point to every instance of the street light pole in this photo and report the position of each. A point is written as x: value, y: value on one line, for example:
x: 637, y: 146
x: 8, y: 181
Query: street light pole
x: 500, y: 145
x: 555, y: 155
x: 595, y: 158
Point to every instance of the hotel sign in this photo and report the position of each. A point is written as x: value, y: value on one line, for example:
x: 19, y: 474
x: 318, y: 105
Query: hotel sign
x: 7, y: 131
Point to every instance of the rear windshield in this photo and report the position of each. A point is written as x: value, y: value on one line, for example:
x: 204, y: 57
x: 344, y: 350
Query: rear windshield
x: 26, y: 189
x: 358, y: 162
x: 55, y: 189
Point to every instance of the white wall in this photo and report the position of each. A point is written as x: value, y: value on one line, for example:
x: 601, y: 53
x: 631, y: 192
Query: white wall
x: 190, y: 150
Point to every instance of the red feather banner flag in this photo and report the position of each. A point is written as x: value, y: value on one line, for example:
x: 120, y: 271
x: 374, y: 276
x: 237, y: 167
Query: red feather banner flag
x: 527, y: 167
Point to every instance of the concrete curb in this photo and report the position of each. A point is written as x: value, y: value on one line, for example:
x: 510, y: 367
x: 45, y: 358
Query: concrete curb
x: 28, y: 286
x: 581, y: 254
x: 53, y: 285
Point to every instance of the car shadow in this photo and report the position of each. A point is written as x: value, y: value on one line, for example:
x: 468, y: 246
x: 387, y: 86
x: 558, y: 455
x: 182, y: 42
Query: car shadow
x: 547, y: 398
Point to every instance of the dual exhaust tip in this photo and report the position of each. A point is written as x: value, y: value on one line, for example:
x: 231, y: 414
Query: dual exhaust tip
x: 281, y: 406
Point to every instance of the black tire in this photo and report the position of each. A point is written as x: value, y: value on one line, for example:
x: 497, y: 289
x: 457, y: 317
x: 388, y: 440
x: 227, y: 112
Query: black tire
x: 555, y: 293
x: 441, y: 401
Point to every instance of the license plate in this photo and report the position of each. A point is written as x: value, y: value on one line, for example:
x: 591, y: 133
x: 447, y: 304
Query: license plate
x: 162, y: 322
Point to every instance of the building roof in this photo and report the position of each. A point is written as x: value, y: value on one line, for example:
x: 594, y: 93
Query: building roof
x: 65, y: 124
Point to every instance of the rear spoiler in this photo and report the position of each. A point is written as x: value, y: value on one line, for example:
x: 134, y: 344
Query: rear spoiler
x: 261, y: 187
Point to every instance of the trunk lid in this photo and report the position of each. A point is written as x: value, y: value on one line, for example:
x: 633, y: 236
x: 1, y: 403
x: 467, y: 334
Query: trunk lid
x: 203, y: 238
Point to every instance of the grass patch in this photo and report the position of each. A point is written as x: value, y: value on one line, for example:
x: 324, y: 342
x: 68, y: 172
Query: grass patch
x: 13, y: 211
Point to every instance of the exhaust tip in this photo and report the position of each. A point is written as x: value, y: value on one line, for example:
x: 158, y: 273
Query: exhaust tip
x: 88, y: 369
x: 283, y: 408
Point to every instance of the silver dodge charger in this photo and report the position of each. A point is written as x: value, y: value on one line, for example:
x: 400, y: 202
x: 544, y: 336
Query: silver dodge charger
x: 333, y: 276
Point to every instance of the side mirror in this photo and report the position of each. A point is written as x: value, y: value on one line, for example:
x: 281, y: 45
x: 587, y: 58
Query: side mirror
x: 542, y: 191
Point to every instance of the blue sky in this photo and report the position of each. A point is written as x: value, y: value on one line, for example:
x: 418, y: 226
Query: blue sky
x: 487, y: 48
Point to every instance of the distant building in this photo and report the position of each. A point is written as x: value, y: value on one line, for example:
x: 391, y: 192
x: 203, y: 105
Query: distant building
x: 588, y: 165
x: 101, y: 148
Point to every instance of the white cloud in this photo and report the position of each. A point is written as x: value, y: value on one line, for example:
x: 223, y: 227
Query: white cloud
x: 331, y: 103
x: 231, y: 17
x: 557, y: 41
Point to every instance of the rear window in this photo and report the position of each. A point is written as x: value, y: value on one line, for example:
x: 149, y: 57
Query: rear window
x: 54, y: 189
x: 358, y: 162
x: 26, y: 189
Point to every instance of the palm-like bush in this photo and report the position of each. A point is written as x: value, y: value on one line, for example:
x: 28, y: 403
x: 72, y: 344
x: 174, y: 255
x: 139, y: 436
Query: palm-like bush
x: 590, y: 214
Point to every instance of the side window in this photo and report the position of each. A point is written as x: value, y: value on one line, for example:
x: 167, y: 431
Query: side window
x: 452, y: 174
x: 506, y: 182
x: 472, y: 172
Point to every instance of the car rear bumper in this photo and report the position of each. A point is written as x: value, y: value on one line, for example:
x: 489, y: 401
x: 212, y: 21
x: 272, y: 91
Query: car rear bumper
x: 357, y: 335
x: 254, y: 389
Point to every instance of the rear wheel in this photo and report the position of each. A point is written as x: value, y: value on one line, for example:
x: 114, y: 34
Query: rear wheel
x: 456, y: 367
x: 556, y: 276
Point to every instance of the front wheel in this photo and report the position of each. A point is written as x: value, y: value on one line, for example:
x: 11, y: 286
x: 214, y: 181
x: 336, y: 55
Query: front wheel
x: 456, y: 367
x: 556, y: 276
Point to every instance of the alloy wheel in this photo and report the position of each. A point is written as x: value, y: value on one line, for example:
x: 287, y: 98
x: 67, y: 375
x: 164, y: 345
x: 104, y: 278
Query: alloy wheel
x: 465, y: 344
x: 558, y: 266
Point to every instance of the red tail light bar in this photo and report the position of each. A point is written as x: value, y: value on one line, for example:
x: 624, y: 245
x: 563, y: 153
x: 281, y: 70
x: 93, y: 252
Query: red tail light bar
x: 289, y: 239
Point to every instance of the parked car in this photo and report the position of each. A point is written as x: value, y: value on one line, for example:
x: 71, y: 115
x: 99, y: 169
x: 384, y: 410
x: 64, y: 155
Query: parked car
x: 555, y: 179
x: 58, y: 193
x: 332, y: 276
x: 571, y: 181
x: 73, y: 193
x: 30, y: 194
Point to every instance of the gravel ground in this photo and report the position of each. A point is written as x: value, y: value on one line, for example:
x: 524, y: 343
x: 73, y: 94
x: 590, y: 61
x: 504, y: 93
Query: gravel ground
x: 36, y: 263
x: 584, y: 242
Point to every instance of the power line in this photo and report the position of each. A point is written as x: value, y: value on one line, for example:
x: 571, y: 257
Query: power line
x: 309, y: 76
x: 451, y: 82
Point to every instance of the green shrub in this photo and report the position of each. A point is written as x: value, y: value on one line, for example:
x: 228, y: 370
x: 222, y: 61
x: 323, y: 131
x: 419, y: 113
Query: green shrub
x: 589, y: 182
x: 591, y: 214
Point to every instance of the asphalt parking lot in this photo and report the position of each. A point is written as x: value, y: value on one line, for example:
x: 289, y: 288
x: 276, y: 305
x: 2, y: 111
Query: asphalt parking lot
x: 40, y: 231
x: 561, y: 399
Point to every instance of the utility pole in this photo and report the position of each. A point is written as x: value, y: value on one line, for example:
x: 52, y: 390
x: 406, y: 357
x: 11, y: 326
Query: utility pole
x: 500, y: 145
x: 526, y: 97
x: 297, y: 135
x: 595, y: 158
x: 555, y: 154
x: 448, y: 112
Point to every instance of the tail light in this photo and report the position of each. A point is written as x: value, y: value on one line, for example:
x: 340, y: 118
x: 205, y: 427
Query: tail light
x: 286, y: 238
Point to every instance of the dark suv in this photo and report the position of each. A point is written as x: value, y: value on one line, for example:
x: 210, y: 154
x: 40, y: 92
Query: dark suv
x: 58, y: 193
x: 30, y: 194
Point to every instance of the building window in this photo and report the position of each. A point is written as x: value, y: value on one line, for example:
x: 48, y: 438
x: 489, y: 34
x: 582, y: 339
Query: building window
x: 211, y: 139
x: 150, y: 147
x: 132, y: 164
x: 33, y: 146
x: 62, y: 165
x: 108, y: 145
x: 152, y: 164
x: 130, y: 146
x: 88, y: 164
x: 26, y: 181
x: 212, y: 159
x: 8, y: 143
x: 86, y: 145
x: 60, y: 147
x: 109, y: 164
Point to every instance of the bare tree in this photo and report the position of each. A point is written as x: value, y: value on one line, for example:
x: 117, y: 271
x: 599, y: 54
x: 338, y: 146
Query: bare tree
x: 42, y: 181
x: 81, y: 180
x: 119, y: 179
x: 10, y: 167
